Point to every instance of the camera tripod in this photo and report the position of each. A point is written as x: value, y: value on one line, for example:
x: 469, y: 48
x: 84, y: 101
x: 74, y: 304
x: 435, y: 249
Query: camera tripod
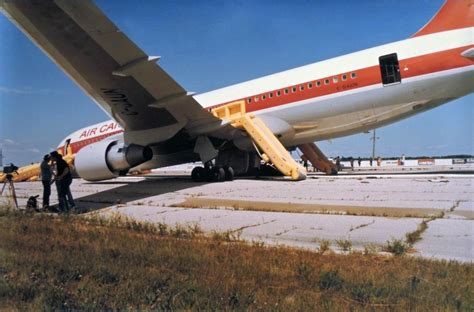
x: 9, y: 182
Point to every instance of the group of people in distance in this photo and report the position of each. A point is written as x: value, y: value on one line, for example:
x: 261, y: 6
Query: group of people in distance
x: 54, y: 169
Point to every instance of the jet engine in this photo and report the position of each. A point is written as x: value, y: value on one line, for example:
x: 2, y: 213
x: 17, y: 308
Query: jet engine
x: 108, y: 159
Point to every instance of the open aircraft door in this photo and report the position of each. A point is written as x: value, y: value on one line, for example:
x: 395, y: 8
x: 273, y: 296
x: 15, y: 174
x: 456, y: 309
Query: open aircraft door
x: 390, y: 69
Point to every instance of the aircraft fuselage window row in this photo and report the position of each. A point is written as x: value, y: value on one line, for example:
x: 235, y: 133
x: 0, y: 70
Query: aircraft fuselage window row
x: 90, y: 141
x: 294, y: 89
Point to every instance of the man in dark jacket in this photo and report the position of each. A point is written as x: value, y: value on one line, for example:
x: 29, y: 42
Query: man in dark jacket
x: 46, y: 180
x: 63, y: 181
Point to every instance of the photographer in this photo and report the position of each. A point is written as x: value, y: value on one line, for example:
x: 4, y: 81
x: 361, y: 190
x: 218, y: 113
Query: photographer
x: 63, y: 180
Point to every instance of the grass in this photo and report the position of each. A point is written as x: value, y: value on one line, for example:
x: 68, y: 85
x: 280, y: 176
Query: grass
x: 94, y: 264
x: 370, y: 249
x: 227, y: 236
x: 397, y: 247
x: 324, y: 246
x: 344, y: 244
x: 415, y: 236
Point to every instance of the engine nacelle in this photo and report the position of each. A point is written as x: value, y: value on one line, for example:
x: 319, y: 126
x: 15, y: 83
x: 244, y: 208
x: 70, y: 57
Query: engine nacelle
x: 107, y: 159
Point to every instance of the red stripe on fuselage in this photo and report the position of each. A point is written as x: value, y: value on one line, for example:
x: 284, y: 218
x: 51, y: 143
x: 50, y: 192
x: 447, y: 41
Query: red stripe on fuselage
x: 369, y: 76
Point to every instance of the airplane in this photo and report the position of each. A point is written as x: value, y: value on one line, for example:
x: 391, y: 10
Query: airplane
x: 157, y: 123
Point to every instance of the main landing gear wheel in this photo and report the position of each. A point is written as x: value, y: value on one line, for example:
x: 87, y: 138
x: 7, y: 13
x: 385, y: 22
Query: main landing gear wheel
x: 199, y: 174
x: 213, y: 174
x: 229, y: 173
x: 216, y: 174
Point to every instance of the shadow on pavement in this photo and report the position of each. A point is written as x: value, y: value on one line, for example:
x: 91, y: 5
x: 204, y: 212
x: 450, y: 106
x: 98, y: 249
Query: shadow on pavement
x: 128, y: 191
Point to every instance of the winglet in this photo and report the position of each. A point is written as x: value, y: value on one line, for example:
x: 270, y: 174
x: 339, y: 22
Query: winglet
x: 454, y: 14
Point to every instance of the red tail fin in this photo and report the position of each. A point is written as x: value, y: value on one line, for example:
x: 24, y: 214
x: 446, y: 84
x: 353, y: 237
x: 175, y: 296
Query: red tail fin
x: 454, y: 14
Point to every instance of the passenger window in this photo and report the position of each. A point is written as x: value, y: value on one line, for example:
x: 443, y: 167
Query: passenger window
x: 353, y: 75
x: 256, y: 99
x: 301, y: 88
x: 270, y: 95
x: 263, y: 97
x: 310, y: 85
x: 249, y: 100
x: 286, y: 91
x: 344, y: 77
x: 278, y: 93
x: 293, y: 89
x: 335, y: 79
x: 318, y: 83
x: 326, y: 81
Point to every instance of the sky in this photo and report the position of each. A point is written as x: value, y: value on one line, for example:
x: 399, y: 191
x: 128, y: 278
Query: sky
x: 206, y: 45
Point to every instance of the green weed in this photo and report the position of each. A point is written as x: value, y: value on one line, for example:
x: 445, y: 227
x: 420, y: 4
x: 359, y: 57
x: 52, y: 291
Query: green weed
x: 396, y: 246
x: 344, y: 244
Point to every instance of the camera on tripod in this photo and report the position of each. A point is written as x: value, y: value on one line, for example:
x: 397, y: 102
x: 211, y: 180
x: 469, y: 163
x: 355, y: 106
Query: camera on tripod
x: 10, y: 169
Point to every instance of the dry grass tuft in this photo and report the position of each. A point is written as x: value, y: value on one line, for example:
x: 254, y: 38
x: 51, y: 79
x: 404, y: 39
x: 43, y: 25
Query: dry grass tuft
x: 324, y: 246
x: 415, y: 236
x: 344, y: 244
x: 396, y: 246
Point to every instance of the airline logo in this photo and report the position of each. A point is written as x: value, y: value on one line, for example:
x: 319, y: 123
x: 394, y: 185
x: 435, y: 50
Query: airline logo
x: 90, y: 135
x: 106, y: 128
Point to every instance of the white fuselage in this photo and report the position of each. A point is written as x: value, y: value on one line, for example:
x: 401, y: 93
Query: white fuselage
x: 344, y: 95
x: 342, y: 111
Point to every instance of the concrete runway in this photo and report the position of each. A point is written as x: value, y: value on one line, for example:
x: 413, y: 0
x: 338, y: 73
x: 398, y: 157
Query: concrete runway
x: 363, y: 208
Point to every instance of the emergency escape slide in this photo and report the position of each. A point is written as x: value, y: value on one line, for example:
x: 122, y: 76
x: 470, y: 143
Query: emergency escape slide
x: 272, y: 151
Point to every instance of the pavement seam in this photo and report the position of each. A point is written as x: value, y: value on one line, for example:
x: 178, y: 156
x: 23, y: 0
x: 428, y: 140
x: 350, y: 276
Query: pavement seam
x: 286, y: 231
x: 411, y: 238
x: 361, y: 226
x: 252, y: 225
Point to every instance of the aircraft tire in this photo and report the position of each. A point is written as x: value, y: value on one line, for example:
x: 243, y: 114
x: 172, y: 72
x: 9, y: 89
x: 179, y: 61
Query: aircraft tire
x: 229, y: 173
x: 199, y: 174
x: 220, y: 174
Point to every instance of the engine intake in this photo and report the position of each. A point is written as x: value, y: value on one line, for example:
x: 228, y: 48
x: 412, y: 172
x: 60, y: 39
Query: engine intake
x: 108, y: 159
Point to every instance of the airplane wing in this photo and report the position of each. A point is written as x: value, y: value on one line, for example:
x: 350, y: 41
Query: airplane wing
x: 119, y: 76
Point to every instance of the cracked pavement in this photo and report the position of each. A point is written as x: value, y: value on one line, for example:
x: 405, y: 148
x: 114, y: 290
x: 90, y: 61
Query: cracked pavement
x: 156, y: 199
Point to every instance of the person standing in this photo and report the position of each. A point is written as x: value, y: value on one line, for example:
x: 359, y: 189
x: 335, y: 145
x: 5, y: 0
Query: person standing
x: 63, y: 180
x: 338, y: 163
x: 69, y: 198
x: 46, y: 180
x: 359, y: 161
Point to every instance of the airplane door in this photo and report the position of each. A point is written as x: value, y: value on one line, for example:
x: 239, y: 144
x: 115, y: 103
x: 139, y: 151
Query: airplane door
x: 67, y: 145
x: 390, y: 69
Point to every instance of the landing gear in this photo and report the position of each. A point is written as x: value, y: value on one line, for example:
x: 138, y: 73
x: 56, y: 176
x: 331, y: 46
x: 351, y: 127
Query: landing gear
x: 199, y: 174
x: 212, y: 174
x: 229, y: 173
x: 216, y: 174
